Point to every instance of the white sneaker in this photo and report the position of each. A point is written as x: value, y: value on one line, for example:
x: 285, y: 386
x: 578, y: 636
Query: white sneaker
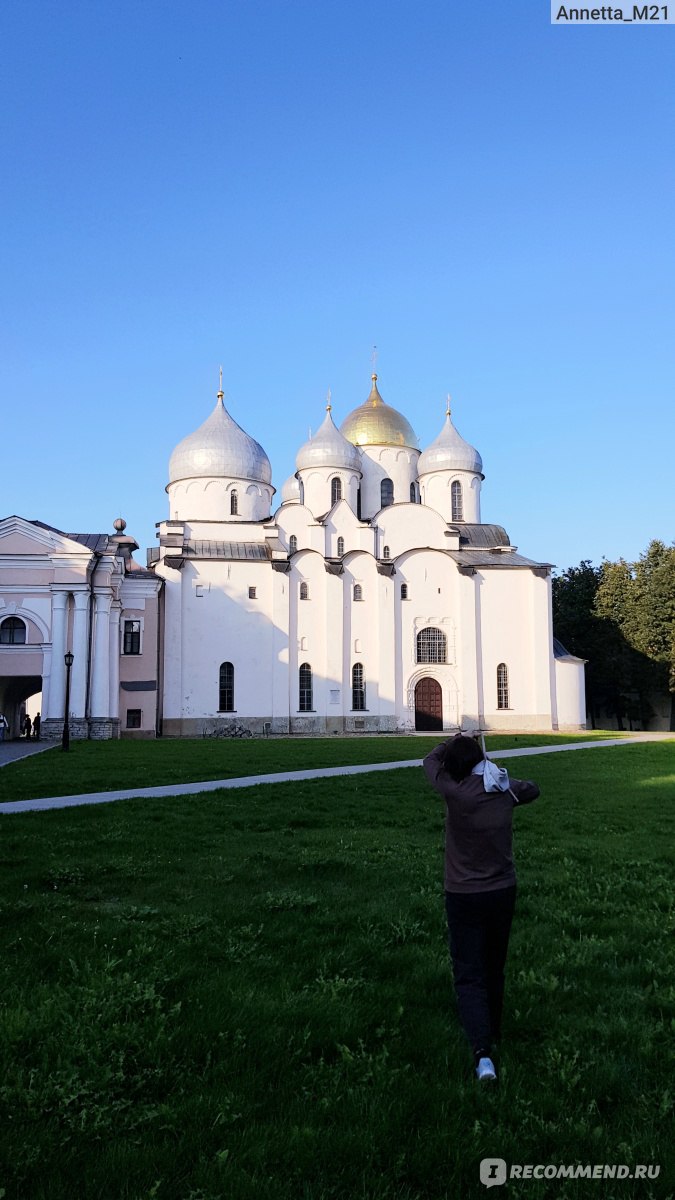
x: 485, y: 1071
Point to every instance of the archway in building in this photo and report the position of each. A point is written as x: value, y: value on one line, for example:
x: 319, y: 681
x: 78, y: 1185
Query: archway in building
x: 15, y: 694
x: 428, y: 704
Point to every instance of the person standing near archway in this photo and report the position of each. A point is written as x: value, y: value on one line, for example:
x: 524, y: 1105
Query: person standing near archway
x: 480, y: 883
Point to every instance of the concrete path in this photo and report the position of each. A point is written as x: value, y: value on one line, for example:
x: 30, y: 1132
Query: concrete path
x: 12, y: 751
x: 214, y: 785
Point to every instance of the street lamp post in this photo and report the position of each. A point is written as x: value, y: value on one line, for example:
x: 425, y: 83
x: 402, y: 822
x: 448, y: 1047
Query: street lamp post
x: 65, y: 741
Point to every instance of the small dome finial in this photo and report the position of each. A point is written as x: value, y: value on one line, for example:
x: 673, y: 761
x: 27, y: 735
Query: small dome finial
x: 119, y: 524
x: 329, y: 406
x: 221, y: 393
x: 447, y: 406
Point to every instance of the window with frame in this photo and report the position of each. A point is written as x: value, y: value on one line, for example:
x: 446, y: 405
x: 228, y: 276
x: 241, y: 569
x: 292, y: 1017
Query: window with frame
x: 358, y: 688
x: 134, y: 716
x: 457, y: 500
x: 502, y: 686
x: 292, y: 544
x: 335, y: 490
x: 252, y: 593
x: 386, y: 553
x: 132, y: 637
x: 413, y: 494
x: 340, y: 546
x: 386, y: 493
x: 13, y: 632
x: 358, y: 504
x: 404, y: 591
x: 432, y: 646
x: 234, y: 503
x: 226, y: 688
x: 358, y: 591
x: 304, y: 591
x: 305, y: 688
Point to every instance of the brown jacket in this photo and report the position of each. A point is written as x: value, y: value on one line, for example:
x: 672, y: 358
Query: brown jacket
x: 478, y: 835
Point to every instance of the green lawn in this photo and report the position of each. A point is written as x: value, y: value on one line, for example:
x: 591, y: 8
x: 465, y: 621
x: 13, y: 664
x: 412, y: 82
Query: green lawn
x: 246, y: 995
x: 109, y: 766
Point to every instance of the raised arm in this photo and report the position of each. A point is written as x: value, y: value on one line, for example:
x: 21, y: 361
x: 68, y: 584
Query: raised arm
x: 432, y: 763
x: 524, y: 790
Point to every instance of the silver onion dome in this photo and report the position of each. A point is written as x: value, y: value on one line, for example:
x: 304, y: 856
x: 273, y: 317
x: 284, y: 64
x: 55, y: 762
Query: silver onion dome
x: 290, y: 492
x: 219, y: 449
x: 449, y: 452
x: 328, y: 448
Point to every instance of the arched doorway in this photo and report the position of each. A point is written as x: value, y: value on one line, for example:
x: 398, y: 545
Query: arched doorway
x: 428, y: 704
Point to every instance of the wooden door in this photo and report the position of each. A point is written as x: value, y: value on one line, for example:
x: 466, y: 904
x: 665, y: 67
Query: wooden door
x: 428, y: 704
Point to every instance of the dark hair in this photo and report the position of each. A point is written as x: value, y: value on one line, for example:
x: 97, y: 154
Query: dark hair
x: 460, y: 756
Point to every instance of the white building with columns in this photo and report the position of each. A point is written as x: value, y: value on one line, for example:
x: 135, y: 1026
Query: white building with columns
x: 373, y: 598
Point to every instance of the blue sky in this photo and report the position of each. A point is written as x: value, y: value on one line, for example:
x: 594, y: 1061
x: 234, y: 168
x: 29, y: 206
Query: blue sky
x: 279, y: 186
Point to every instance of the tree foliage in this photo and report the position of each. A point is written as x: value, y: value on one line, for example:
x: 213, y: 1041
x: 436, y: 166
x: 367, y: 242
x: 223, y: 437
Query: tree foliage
x: 621, y: 618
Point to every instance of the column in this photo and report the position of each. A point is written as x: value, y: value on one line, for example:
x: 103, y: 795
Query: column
x: 100, y: 682
x: 57, y: 683
x: 114, y: 652
x: 80, y: 648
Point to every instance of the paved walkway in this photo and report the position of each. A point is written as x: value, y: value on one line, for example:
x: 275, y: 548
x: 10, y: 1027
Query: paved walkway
x: 12, y: 751
x: 214, y: 785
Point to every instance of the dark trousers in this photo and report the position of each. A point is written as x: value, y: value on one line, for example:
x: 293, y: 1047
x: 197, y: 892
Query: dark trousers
x: 479, y: 924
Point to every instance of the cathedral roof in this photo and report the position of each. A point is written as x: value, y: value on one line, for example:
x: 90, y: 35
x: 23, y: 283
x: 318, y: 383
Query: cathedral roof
x: 449, y: 452
x: 219, y: 449
x: 290, y: 492
x: 377, y: 424
x: 328, y: 448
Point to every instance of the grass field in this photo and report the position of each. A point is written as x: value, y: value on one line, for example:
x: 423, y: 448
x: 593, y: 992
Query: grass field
x: 115, y: 765
x: 246, y: 995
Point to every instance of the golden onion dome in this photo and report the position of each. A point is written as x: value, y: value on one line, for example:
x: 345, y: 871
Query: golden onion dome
x: 377, y: 424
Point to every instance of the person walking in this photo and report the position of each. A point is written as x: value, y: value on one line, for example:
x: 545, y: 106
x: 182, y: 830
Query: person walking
x: 3, y: 727
x: 27, y: 727
x: 480, y: 883
x: 36, y: 727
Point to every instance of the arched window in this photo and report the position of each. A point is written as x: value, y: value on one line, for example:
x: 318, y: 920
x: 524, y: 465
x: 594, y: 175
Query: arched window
x: 431, y: 646
x: 305, y: 680
x: 358, y: 504
x: 12, y: 632
x: 404, y: 591
x: 386, y: 553
x: 358, y: 591
x: 386, y: 493
x: 456, y: 500
x: 302, y: 491
x: 502, y: 686
x: 304, y: 591
x: 226, y: 688
x: 234, y: 503
x: 358, y: 688
x: 335, y: 490
x: 413, y: 494
x: 341, y: 547
x: 292, y: 544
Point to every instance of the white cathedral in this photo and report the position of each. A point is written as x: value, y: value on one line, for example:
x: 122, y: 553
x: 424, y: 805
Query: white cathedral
x: 373, y: 599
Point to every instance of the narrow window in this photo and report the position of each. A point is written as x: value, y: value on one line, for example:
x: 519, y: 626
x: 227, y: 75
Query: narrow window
x: 304, y: 591
x: 234, y: 504
x: 341, y: 546
x: 358, y: 504
x: 386, y: 553
x: 132, y: 637
x: 457, y: 502
x: 12, y: 632
x: 358, y: 591
x: 335, y: 490
x: 431, y: 646
x: 252, y: 593
x: 305, y: 680
x: 358, y: 688
x: 133, y: 718
x: 502, y: 686
x: 413, y: 494
x: 226, y: 688
x: 386, y: 493
x: 404, y: 591
x: 292, y: 544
